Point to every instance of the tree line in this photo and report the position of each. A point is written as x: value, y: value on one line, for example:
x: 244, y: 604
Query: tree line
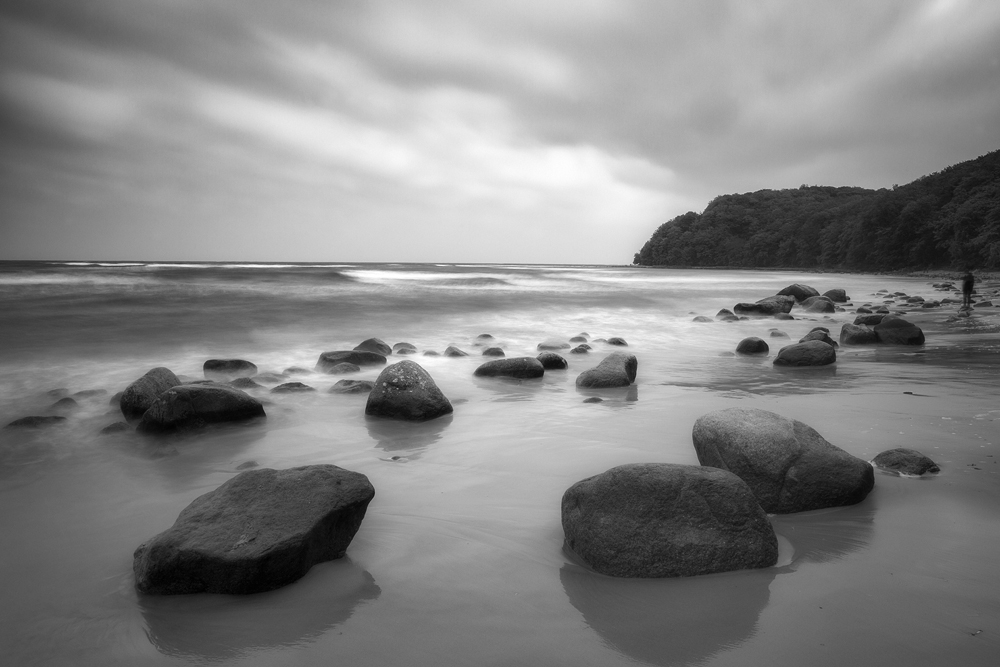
x: 946, y: 220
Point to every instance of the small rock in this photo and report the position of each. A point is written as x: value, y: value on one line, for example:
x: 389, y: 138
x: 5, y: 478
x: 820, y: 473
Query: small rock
x: 518, y: 367
x: 329, y: 360
x: 452, y: 351
x: 752, y: 346
x: 905, y: 461
x: 376, y: 345
x: 352, y: 387
x: 616, y: 370
x: 615, y: 340
x: 291, y: 387
x: 494, y: 352
x: 552, y: 361
x: 223, y: 370
x: 35, y: 421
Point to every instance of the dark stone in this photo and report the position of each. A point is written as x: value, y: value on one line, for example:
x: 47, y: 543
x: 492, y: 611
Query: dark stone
x: 342, y: 369
x: 783, y: 316
x: 578, y: 339
x: 615, y: 340
x: 800, y: 292
x: 766, y: 309
x: 376, y: 345
x: 905, y: 461
x: 270, y: 378
x: 291, y: 387
x: 702, y: 318
x: 616, y: 370
x: 352, y: 387
x: 261, y: 530
x: 819, y: 304
x: 837, y: 295
x: 778, y: 334
x: 583, y: 348
x: 189, y: 406
x: 822, y: 335
x: 783, y: 300
x: 897, y: 331
x: 726, y: 314
x: 406, y: 391
x: 863, y: 310
x: 116, y: 399
x: 297, y: 370
x: 787, y: 464
x: 223, y: 370
x: 666, y: 520
x: 810, y: 353
x: 517, y: 367
x: 64, y: 405
x: 552, y: 361
x: 484, y: 337
x: 857, y: 334
x: 142, y: 393
x: 244, y: 383
x: 593, y: 399
x: 328, y: 360
x: 409, y: 348
x: 753, y: 346
x: 494, y: 352
x: 35, y: 421
x: 869, y: 319
x: 117, y: 427
x: 431, y: 353
x: 553, y: 344
x: 452, y: 351
x: 90, y: 393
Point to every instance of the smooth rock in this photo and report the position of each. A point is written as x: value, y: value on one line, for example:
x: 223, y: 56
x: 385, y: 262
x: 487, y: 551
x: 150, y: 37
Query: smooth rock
x: 552, y: 361
x: 800, y: 292
x: 452, y: 351
x: 582, y: 348
x: 352, y: 387
x: 494, y: 352
x: 244, y: 383
x: 766, y: 309
x: 223, y: 370
x: 553, y: 344
x: 616, y: 370
x: 702, y: 318
x: 837, y: 295
x: 376, y: 345
x: 516, y: 367
x: 822, y: 335
x: 869, y: 319
x: 291, y: 388
x: 117, y: 427
x: 329, y: 360
x: 752, y: 346
x: 142, y: 393
x: 897, y: 331
x: 810, y: 353
x: 615, y: 340
x: 35, y: 421
x: 189, y: 406
x: 406, y: 391
x: 857, y: 334
x: 905, y: 461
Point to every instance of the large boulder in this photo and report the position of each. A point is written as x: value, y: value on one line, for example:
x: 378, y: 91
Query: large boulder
x: 516, y: 367
x: 897, y: 331
x: 666, y: 520
x: 406, y: 391
x: 142, y: 393
x: 261, y: 530
x: 800, y: 292
x: 809, y: 353
x: 857, y: 334
x: 376, y: 345
x: 552, y: 362
x: 822, y: 335
x: 189, y: 406
x: 616, y: 370
x: 869, y: 319
x: 224, y: 370
x: 452, y: 351
x: 818, y: 304
x: 905, y: 462
x: 328, y: 361
x: 837, y: 295
x: 787, y: 464
x: 760, y: 309
x: 752, y: 346
x: 785, y: 301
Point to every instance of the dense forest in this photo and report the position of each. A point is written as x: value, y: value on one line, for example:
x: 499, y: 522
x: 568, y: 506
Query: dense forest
x: 947, y: 220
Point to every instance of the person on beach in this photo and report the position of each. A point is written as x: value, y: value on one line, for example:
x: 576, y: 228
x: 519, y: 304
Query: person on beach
x: 968, y: 283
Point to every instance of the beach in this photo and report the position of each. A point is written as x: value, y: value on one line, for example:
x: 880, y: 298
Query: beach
x: 460, y: 558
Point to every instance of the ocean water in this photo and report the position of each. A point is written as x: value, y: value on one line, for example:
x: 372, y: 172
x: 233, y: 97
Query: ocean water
x: 460, y: 559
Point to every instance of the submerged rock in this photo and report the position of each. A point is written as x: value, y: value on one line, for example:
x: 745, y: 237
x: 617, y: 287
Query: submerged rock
x: 406, y: 391
x: 329, y: 360
x: 376, y: 345
x: 190, y: 406
x: 452, y: 351
x: 117, y: 427
x: 905, y: 461
x: 494, y: 352
x: 517, y: 367
x: 223, y: 370
x: 553, y: 344
x: 809, y: 353
x: 822, y: 335
x: 552, y: 362
x: 787, y: 464
x: 292, y: 387
x: 261, y: 530
x: 244, y: 383
x: 897, y: 331
x: 857, y: 334
x: 616, y: 370
x: 615, y: 340
x: 35, y: 421
x: 352, y: 387
x: 800, y: 292
x: 666, y: 520
x: 752, y: 346
x: 142, y: 393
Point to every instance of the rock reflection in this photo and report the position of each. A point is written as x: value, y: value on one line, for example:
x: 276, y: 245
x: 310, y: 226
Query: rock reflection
x: 670, y: 621
x: 829, y: 534
x: 614, y: 396
x: 394, y: 435
x: 221, y: 627
x: 510, y: 389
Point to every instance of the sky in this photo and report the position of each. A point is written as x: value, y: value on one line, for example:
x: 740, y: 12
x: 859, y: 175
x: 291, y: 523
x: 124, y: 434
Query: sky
x: 549, y: 131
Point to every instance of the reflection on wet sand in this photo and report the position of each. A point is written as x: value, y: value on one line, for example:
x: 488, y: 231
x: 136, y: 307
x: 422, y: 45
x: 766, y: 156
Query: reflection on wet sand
x: 393, y: 435
x: 614, y: 396
x: 221, y: 627
x: 829, y: 534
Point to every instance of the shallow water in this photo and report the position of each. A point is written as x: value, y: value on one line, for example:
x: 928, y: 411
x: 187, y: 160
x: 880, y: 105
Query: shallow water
x: 459, y: 560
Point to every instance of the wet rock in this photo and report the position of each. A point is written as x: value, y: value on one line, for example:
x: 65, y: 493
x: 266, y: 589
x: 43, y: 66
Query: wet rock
x: 245, y: 383
x: 787, y: 464
x: 117, y: 427
x: 406, y: 391
x: 376, y: 345
x: 615, y: 340
x: 800, y: 292
x: 329, y: 360
x: 857, y: 334
x: 783, y: 300
x: 897, y: 331
x: 431, y: 353
x: 666, y: 520
x: 783, y: 316
x: 593, y: 399
x: 726, y: 315
x: 404, y: 348
x: 297, y: 370
x: 869, y: 319
x: 752, y: 346
x: 822, y: 335
x: 819, y: 305
x: 778, y: 334
x: 553, y: 344
x: 702, y: 318
x: 116, y: 399
x: 352, y: 387
x: 578, y: 339
x: 261, y: 530
x: 905, y: 461
x: 766, y: 309
x: 485, y: 338
x: 223, y: 370
x: 270, y: 378
x: 494, y: 352
x: 452, y: 351
x: 616, y: 370
x: 64, y: 406
x: 552, y: 362
x: 90, y: 393
x: 518, y: 367
x: 837, y: 295
x: 810, y: 353
x: 583, y: 348
x: 142, y: 393
x: 292, y: 388
x: 343, y: 369
x: 36, y: 421
x: 190, y: 406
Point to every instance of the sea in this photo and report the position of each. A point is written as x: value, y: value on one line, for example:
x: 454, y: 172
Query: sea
x: 460, y: 559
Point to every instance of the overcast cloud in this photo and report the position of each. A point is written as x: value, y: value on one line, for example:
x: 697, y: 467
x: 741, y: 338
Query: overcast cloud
x: 461, y: 131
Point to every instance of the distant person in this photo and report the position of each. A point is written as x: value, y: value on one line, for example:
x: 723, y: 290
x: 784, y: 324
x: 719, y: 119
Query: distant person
x: 968, y: 284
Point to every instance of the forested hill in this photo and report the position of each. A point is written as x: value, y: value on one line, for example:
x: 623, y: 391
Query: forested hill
x: 948, y: 220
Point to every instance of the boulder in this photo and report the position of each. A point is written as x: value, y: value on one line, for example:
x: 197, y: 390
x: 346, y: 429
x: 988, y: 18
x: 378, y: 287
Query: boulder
x: 666, y: 520
x: 702, y: 318
x: 517, y: 367
x: 553, y: 344
x: 897, y: 331
x: 578, y: 339
x: 35, y: 421
x: 261, y: 530
x: 869, y: 319
x: 616, y: 370
x: 752, y: 346
x: 352, y: 387
x: 189, y: 406
x: 223, y: 370
x: 343, y: 368
x: 452, y: 351
x: 142, y: 393
x: 582, y: 348
x: 800, y: 292
x: 822, y: 335
x: 819, y: 305
x: 905, y: 462
x: 376, y: 345
x: 810, y: 353
x: 244, y: 383
x: 837, y: 295
x: 406, y: 391
x: 329, y: 360
x: 785, y: 301
x: 615, y: 340
x: 857, y: 334
x: 765, y: 309
x: 399, y: 348
x: 494, y: 352
x: 292, y: 388
x: 552, y: 361
x: 787, y: 464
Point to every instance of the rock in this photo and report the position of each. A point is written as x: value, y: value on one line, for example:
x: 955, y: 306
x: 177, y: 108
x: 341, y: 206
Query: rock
x: 329, y: 360
x: 399, y: 348
x: 583, y: 348
x: 406, y: 391
x: 983, y: 304
x: 666, y: 520
x: 296, y: 370
x: 869, y: 319
x: 766, y: 309
x: 578, y: 339
x: 223, y: 370
x: 616, y: 370
x: 752, y: 345
x: 116, y: 399
x: 837, y: 295
x: 190, y: 406
x: 291, y: 387
x: 783, y: 316
x: 90, y: 393
x: 553, y: 344
x: 800, y: 292
x: 778, y: 334
x: 352, y: 387
x: 518, y: 367
x: 343, y: 369
x: 593, y: 399
x: 819, y: 304
x: 431, y: 353
x: 494, y: 352
x: 64, y: 406
x: 35, y: 421
x: 863, y: 310
x: 142, y: 393
x: 702, y: 318
x: 270, y: 378
x: 905, y: 461
x: 452, y: 351
x: 783, y: 300
x: 259, y: 531
x: 857, y: 334
x: 726, y: 315
x: 787, y: 464
x: 822, y: 335
x: 376, y: 345
x: 552, y: 361
x: 810, y: 353
x: 244, y: 383
x: 897, y: 331
x: 615, y: 340
x: 117, y: 427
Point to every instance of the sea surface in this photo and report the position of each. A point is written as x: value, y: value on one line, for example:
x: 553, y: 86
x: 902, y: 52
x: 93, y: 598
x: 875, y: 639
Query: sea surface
x: 460, y: 559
